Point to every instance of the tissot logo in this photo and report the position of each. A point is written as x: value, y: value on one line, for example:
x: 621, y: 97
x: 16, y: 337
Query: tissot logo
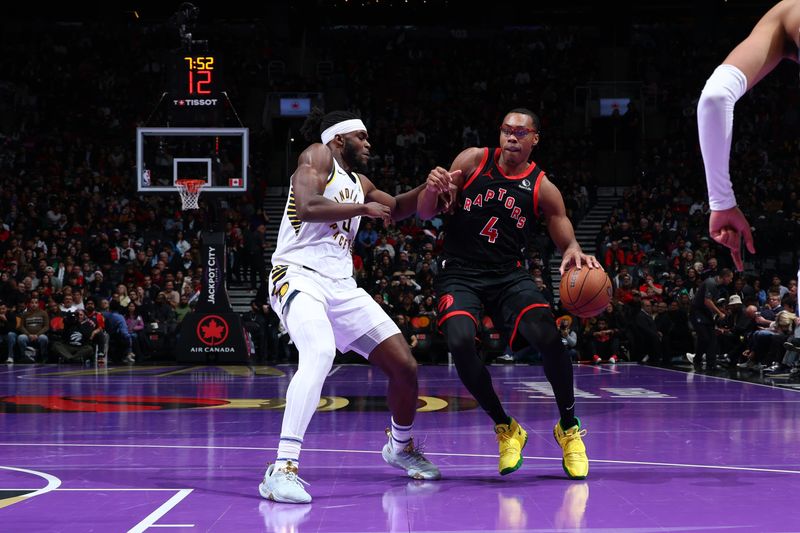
x: 195, y: 102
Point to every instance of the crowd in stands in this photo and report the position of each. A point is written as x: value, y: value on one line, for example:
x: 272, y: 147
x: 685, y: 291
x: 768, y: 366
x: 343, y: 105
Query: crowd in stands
x: 90, y: 268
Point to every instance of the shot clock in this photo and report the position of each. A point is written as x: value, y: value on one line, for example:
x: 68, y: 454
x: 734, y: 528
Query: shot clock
x: 198, y: 75
x: 195, y: 76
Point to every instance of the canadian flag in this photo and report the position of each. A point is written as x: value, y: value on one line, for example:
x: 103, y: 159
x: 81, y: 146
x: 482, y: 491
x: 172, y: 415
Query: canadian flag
x: 234, y: 182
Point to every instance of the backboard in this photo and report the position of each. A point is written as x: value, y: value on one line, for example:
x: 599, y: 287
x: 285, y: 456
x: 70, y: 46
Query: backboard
x: 220, y: 156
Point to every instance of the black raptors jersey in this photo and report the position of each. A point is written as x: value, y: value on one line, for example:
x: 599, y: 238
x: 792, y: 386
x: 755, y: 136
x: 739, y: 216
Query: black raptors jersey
x: 494, y: 213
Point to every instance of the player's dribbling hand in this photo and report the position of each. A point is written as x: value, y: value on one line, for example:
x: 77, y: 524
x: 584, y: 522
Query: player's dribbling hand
x: 576, y: 257
x: 378, y: 210
x: 728, y: 227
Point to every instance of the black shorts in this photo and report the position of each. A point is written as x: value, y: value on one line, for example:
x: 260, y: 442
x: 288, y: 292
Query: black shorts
x: 503, y: 294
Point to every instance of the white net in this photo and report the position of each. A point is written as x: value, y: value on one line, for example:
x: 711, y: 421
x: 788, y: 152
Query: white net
x: 190, y: 192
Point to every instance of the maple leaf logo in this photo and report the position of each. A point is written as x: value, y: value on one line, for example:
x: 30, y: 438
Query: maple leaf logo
x: 212, y: 330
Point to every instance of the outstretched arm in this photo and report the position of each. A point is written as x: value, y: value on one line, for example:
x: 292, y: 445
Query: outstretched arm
x: 308, y: 184
x: 770, y: 41
x: 401, y: 206
x: 551, y: 205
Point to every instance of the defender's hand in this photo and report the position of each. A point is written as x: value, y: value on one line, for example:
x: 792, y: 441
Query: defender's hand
x: 378, y: 210
x: 440, y: 182
x: 728, y: 227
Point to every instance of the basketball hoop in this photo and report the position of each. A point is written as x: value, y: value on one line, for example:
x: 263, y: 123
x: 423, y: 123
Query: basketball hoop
x: 189, y: 190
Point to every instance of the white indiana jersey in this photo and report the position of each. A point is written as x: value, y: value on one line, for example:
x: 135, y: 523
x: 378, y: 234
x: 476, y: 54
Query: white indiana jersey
x: 325, y: 247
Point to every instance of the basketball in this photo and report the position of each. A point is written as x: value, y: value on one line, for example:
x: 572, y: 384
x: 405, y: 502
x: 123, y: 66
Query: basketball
x: 585, y: 292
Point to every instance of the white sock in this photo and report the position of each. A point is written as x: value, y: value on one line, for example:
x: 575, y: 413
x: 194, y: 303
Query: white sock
x: 288, y: 450
x: 401, y: 436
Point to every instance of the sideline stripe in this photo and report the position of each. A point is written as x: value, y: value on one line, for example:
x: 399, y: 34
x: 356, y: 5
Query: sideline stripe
x: 730, y: 380
x: 331, y: 450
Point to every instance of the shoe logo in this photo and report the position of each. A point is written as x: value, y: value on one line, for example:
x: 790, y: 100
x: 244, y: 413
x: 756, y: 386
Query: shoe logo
x: 212, y: 330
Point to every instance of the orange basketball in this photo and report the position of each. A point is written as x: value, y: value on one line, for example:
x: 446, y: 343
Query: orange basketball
x: 585, y: 292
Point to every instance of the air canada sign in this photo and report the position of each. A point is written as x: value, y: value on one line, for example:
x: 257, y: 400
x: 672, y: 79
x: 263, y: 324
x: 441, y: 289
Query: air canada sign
x: 212, y: 332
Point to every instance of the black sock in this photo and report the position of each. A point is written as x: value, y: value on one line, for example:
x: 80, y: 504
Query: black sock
x: 568, y: 418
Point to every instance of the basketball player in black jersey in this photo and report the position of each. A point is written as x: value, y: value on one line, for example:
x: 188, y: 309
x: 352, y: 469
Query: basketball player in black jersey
x: 498, y: 195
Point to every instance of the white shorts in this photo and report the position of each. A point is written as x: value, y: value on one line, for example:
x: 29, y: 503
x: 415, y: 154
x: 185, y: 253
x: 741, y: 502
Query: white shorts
x: 350, y: 310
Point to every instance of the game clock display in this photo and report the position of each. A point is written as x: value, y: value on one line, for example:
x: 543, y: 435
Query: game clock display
x: 195, y: 76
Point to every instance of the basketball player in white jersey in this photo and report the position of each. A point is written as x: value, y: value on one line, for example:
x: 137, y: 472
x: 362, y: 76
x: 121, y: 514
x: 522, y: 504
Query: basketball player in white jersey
x: 775, y: 37
x: 313, y: 291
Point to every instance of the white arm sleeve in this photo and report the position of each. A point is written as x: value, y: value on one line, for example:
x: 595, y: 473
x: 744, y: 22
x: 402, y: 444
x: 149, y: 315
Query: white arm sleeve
x: 715, y: 127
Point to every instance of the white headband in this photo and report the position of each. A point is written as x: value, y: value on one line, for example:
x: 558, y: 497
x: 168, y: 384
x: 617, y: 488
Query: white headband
x: 340, y: 128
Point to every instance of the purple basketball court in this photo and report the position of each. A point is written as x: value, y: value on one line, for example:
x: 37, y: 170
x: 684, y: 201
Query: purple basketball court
x: 184, y: 448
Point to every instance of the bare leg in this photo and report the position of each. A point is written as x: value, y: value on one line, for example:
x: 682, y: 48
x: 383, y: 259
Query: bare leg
x: 394, y: 358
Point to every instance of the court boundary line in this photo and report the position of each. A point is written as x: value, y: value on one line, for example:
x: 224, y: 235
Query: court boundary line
x: 150, y: 520
x: 442, y: 454
x: 648, y: 401
x: 723, y: 378
x: 54, y: 484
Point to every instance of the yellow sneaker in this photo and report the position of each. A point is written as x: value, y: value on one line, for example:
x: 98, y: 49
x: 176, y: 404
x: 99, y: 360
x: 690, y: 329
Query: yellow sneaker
x: 575, y: 462
x: 511, y: 438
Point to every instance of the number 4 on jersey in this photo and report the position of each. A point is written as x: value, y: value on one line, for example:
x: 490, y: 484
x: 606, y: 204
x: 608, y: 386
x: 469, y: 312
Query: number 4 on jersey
x: 489, y: 231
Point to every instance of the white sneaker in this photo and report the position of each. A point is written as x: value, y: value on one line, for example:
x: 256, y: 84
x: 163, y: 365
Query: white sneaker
x: 10, y: 361
x: 284, y: 485
x: 129, y: 359
x: 411, y: 460
x: 690, y: 357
